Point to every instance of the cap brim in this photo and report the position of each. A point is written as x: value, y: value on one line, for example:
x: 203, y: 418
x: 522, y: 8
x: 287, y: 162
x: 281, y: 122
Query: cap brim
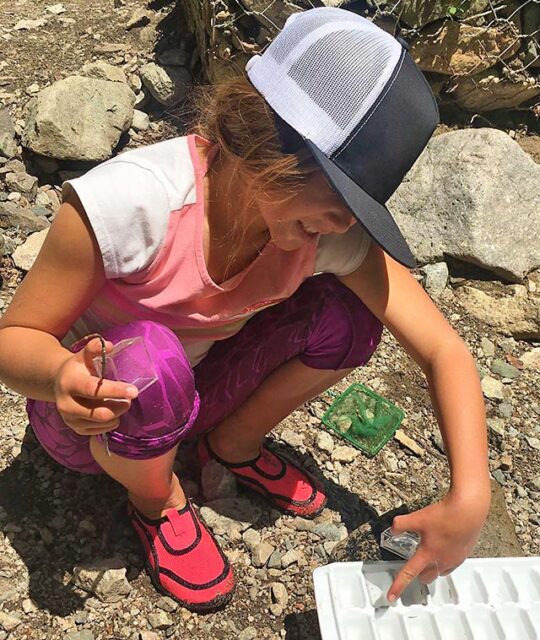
x: 372, y: 215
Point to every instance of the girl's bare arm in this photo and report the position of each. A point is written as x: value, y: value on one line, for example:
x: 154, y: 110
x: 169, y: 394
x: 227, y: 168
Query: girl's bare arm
x: 66, y: 275
x: 394, y: 296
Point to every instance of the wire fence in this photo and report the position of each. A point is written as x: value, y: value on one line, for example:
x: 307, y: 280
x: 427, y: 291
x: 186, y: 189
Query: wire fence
x: 483, y: 55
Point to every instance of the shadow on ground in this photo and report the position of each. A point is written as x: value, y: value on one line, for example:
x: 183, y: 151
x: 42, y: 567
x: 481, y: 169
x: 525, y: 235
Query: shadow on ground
x: 56, y: 519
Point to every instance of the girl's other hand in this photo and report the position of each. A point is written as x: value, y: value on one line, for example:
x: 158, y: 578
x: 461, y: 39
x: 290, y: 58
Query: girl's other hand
x: 449, y: 530
x: 88, y: 404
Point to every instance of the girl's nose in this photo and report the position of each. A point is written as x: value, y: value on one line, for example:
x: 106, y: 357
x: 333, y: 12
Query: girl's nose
x: 342, y: 222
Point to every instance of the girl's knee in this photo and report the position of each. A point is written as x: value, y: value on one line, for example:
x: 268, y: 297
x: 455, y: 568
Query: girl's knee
x: 162, y: 414
x: 345, y: 334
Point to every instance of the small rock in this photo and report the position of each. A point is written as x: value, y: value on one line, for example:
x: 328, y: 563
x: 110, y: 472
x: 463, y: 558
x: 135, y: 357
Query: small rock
x: 102, y: 70
x: 503, y: 369
x: 56, y: 9
x: 249, y: 633
x: 436, y: 278
x: 492, y: 388
x: 325, y: 442
x: 531, y: 359
x: 261, y: 553
x: 506, y: 462
x: 141, y: 121
x: 409, y: 443
x: 148, y: 635
x: 534, y: 443
x: 496, y: 425
x: 9, y: 622
x: 291, y: 437
x: 279, y: 593
x: 438, y: 441
x: 499, y: 476
x: 274, y: 561
x: 167, y: 84
x: 244, y: 511
x: 535, y: 482
x: 28, y: 25
x: 487, y: 347
x: 160, y: 620
x: 505, y: 410
x: 139, y: 18
x: 8, y: 144
x: 25, y: 254
x: 217, y: 481
x: 343, y: 453
x: 167, y: 604
x: 251, y: 538
x: 28, y: 606
x: 84, y: 634
x: 23, y: 183
x: 275, y: 609
x: 290, y: 557
x: 330, y: 531
x: 104, y: 578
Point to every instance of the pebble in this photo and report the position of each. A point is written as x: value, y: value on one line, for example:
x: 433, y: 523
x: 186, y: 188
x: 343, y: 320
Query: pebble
x: 343, y: 453
x: 274, y: 561
x: 488, y: 347
x: 249, y: 633
x: 261, y: 553
x: 290, y: 557
x: 105, y: 578
x: 160, y: 620
x: 148, y: 635
x: 503, y: 369
x: 291, y: 437
x: 251, y: 538
x: 28, y: 606
x: 499, y: 476
x: 496, y: 425
x: 279, y: 593
x: 409, y: 443
x: 167, y: 604
x: 531, y: 359
x: 141, y: 121
x: 139, y: 18
x: 325, y: 442
x: 505, y: 409
x: 9, y: 622
x: 533, y: 442
x: 492, y: 388
x: 84, y: 634
x: 330, y: 531
x: 436, y: 278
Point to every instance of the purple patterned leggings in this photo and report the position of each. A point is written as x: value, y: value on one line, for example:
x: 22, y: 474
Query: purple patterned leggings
x: 323, y: 323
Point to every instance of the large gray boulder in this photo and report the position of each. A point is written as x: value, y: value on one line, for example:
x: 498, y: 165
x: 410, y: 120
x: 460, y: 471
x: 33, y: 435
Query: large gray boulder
x: 473, y: 194
x: 79, y: 119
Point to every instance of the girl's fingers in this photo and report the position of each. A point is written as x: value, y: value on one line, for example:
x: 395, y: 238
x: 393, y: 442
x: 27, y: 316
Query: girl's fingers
x: 83, y: 428
x: 407, y: 574
x: 101, y: 388
x: 92, y: 349
x: 96, y: 411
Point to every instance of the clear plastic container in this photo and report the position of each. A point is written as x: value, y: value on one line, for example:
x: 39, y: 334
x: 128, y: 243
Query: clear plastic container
x: 403, y: 545
x: 129, y: 362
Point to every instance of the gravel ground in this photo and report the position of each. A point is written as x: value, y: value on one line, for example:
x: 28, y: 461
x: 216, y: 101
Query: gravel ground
x: 55, y: 523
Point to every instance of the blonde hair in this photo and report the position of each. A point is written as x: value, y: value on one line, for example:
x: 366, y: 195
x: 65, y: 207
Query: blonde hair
x: 233, y: 114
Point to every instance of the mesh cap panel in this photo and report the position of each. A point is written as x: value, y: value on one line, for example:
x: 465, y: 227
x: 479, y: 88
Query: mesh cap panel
x: 343, y: 92
x: 325, y: 102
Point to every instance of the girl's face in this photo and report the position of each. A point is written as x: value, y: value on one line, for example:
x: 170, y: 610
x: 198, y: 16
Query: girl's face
x: 316, y: 209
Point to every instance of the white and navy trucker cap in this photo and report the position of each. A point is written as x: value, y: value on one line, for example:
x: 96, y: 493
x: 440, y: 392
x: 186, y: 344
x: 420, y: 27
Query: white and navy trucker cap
x: 351, y: 92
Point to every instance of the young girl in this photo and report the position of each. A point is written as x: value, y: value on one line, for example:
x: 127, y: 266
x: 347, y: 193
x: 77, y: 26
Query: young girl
x: 206, y: 245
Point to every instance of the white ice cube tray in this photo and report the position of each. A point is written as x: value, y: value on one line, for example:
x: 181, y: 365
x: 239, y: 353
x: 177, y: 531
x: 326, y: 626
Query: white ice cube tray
x: 483, y: 599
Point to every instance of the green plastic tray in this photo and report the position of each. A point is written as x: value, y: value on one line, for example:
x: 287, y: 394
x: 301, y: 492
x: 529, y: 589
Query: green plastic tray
x: 363, y: 418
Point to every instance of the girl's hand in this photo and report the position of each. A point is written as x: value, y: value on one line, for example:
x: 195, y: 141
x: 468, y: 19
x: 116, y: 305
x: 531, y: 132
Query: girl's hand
x: 449, y: 530
x: 88, y: 404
